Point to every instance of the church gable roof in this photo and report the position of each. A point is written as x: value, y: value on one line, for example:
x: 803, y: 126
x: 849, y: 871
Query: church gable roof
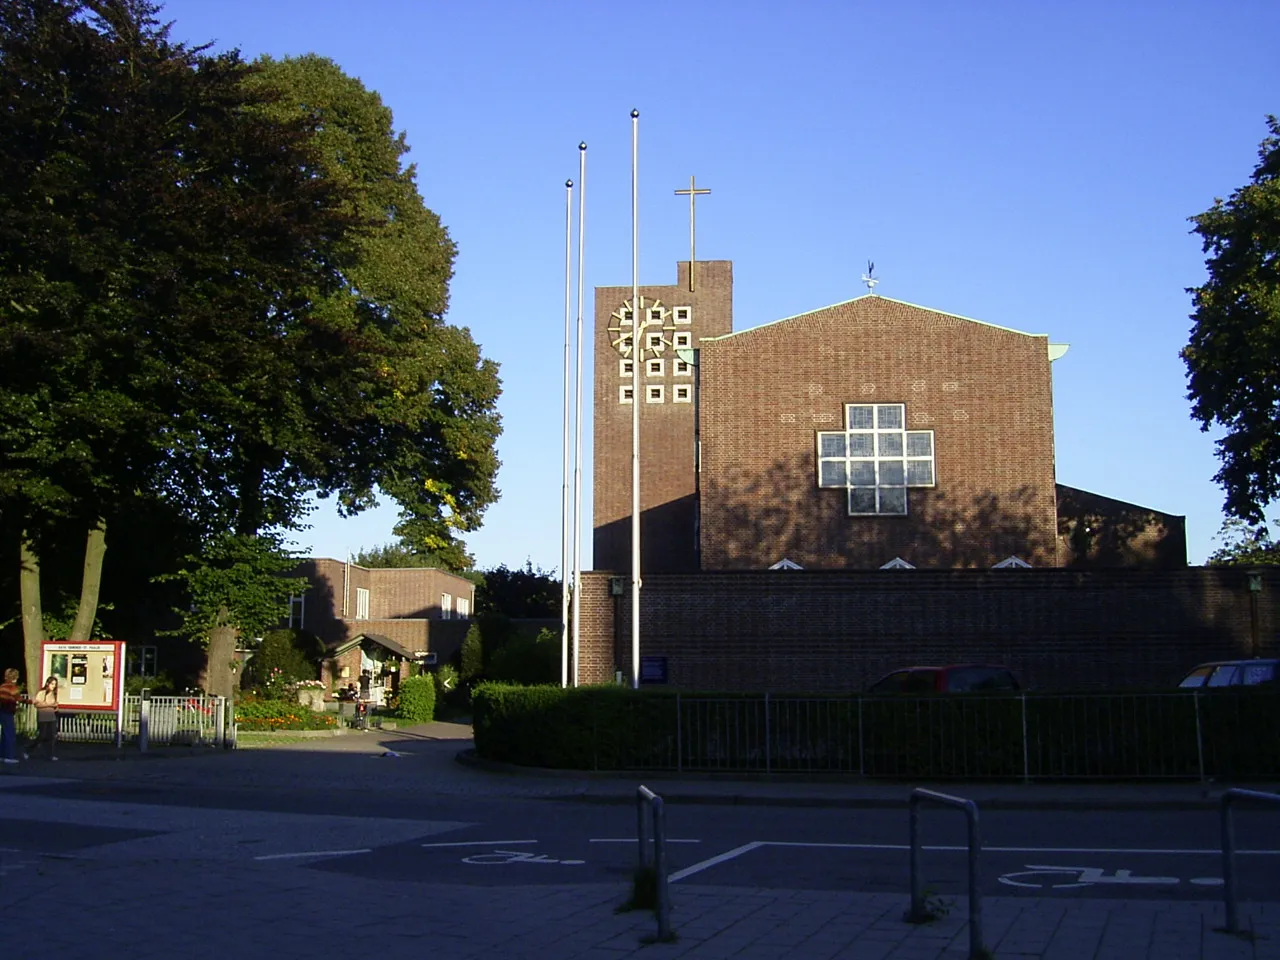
x: 873, y: 299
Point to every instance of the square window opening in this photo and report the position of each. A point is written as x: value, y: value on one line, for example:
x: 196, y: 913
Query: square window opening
x: 655, y: 395
x: 683, y: 394
x: 624, y: 394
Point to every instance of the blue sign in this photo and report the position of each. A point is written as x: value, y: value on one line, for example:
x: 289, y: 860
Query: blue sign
x: 653, y: 669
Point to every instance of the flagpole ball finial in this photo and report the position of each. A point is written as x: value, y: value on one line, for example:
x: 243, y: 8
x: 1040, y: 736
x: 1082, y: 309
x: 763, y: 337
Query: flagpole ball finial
x: 582, y: 145
x: 569, y: 184
x: 635, y: 114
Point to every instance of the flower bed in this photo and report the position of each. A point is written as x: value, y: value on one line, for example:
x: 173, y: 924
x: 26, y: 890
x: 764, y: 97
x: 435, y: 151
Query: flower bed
x: 254, y: 715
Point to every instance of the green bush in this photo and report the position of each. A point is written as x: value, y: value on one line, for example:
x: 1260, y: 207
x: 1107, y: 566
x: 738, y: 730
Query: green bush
x: 254, y: 714
x: 160, y: 685
x: 527, y: 660
x: 446, y: 677
x: 417, y: 699
x: 284, y: 657
x: 472, y: 654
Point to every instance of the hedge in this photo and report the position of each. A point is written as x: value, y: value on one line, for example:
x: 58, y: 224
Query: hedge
x: 417, y: 699
x: 1231, y: 734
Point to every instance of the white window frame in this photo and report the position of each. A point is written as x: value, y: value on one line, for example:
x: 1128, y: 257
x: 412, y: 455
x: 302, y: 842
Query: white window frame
x: 654, y: 341
x: 655, y: 393
x: 682, y: 314
x: 880, y: 431
x: 1012, y: 563
x: 682, y: 393
x: 624, y: 393
x: 655, y: 367
x: 446, y: 606
x: 682, y: 340
x: 897, y: 563
x: 464, y: 608
x: 300, y: 601
x: 624, y: 368
x: 626, y: 317
x: 681, y: 368
x: 362, y: 603
x: 655, y: 315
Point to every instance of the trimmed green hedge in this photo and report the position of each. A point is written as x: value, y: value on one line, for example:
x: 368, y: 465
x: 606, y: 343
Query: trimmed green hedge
x: 1233, y: 734
x: 417, y: 699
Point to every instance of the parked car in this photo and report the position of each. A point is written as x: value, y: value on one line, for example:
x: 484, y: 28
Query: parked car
x: 955, y: 678
x: 1234, y: 673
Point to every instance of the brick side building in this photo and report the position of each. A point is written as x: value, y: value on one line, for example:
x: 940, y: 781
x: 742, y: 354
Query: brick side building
x: 399, y: 615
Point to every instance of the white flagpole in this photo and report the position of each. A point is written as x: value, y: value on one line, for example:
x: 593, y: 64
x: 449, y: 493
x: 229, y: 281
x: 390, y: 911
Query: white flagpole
x: 637, y: 360
x: 577, y: 442
x: 564, y: 475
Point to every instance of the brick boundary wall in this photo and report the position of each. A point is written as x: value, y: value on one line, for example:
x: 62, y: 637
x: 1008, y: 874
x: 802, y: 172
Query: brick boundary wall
x: 836, y: 632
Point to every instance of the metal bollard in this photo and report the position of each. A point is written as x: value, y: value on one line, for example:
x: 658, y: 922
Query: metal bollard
x: 917, y: 913
x: 655, y: 857
x: 220, y: 722
x: 1229, y: 849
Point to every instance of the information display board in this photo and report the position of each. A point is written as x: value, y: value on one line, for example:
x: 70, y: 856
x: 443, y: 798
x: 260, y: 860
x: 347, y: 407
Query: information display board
x: 90, y: 675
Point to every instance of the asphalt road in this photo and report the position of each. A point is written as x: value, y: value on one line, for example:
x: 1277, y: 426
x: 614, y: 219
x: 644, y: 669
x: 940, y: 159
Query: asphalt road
x: 1107, y: 853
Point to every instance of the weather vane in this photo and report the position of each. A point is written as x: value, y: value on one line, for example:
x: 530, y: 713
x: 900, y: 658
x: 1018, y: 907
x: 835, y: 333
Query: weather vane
x: 869, y: 278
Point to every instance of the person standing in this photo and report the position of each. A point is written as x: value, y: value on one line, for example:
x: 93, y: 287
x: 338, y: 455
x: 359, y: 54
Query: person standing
x: 10, y: 696
x: 46, y: 701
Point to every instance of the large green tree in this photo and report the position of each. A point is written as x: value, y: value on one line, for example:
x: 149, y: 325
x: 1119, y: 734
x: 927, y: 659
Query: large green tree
x: 413, y: 410
x: 160, y: 237
x: 220, y: 294
x: 1233, y: 357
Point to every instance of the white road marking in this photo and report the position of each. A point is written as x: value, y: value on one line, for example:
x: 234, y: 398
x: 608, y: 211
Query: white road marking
x: 313, y: 853
x: 633, y: 840
x: 756, y: 844
x: 479, y: 843
x: 713, y: 861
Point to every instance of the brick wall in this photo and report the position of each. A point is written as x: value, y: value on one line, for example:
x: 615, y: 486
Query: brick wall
x: 667, y: 480
x: 804, y: 631
x: 985, y: 391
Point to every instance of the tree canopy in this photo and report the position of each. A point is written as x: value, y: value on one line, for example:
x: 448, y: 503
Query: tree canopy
x: 1245, y: 545
x: 1232, y: 370
x: 220, y: 293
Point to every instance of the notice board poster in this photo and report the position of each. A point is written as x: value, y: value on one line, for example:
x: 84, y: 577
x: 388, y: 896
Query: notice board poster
x: 90, y: 675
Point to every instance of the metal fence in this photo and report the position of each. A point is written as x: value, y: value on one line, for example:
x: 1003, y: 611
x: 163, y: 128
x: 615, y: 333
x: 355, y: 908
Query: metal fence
x: 1172, y: 735
x: 171, y: 721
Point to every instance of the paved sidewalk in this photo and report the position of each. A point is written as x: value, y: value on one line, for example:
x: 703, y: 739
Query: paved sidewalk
x: 148, y: 910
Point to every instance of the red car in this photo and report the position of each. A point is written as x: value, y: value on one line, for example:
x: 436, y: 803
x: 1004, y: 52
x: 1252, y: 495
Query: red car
x: 955, y: 678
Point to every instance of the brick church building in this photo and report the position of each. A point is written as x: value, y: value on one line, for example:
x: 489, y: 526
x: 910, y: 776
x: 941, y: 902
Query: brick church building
x: 867, y: 433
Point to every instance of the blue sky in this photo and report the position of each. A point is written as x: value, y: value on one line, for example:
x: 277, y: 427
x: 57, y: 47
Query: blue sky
x: 1029, y: 165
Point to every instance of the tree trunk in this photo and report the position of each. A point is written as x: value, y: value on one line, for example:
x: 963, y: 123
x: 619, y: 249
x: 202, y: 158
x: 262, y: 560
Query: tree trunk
x: 220, y: 679
x: 32, y: 616
x: 94, y: 549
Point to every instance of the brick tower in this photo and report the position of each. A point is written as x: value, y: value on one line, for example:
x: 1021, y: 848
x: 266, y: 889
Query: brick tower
x: 679, y: 317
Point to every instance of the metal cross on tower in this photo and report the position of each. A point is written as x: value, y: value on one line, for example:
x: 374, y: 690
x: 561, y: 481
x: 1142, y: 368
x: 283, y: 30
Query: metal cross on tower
x: 693, y: 193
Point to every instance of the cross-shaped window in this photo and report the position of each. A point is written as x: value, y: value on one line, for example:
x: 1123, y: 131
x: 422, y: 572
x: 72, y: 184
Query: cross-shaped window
x: 875, y: 458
